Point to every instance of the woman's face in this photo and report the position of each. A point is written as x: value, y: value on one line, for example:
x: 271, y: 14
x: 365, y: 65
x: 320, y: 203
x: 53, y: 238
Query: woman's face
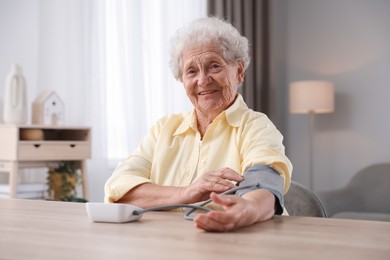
x: 210, y: 81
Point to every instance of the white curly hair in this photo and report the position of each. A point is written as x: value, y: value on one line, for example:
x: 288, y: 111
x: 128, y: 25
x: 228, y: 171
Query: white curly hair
x: 234, y: 47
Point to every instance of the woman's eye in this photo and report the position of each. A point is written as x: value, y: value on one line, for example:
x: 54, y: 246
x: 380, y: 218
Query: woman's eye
x: 215, y: 67
x: 190, y: 72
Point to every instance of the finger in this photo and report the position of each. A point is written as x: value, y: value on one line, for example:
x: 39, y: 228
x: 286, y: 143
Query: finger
x: 229, y: 174
x: 233, y: 209
x: 226, y: 218
x: 224, y: 200
x: 207, y: 223
x: 204, y: 224
x: 219, y: 185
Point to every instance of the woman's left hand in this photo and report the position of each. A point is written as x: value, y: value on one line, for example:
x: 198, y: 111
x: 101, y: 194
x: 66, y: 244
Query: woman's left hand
x: 252, y: 207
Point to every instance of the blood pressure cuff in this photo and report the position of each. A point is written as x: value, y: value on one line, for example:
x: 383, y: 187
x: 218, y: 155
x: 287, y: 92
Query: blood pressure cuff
x: 264, y: 177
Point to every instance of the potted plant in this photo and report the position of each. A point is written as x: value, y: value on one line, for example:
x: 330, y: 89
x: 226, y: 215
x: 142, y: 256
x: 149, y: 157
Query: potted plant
x: 63, y: 181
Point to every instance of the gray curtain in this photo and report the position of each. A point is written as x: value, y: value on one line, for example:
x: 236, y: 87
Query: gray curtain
x: 251, y: 18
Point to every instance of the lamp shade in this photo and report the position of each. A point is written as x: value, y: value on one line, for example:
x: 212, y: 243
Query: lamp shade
x: 311, y: 97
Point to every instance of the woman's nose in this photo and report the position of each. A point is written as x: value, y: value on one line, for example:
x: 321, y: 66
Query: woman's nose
x: 203, y: 79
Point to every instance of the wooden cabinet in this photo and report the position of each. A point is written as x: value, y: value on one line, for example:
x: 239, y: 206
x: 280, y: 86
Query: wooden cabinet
x: 36, y: 145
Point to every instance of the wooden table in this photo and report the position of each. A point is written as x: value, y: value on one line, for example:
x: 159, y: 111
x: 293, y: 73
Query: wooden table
x: 61, y: 230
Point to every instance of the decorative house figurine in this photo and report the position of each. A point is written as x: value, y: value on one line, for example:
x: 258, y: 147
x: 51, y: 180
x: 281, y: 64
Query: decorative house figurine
x: 48, y: 109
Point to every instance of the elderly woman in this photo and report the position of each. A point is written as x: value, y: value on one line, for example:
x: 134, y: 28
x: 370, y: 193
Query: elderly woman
x: 191, y: 157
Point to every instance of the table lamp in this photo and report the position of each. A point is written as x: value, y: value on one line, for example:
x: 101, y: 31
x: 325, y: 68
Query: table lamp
x: 311, y: 97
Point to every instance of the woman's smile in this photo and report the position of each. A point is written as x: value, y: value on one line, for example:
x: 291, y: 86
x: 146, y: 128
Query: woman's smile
x: 207, y: 92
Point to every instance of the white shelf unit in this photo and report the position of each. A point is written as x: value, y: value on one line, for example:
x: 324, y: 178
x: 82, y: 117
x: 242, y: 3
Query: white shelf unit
x: 58, y: 143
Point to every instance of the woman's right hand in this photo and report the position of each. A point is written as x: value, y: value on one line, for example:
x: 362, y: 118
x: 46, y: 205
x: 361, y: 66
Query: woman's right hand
x: 217, y: 181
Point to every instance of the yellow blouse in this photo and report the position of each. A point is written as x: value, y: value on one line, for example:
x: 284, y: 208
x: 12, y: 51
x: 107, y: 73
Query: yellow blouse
x: 173, y: 153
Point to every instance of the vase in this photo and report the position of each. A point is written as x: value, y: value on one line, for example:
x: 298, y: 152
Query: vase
x: 15, y: 97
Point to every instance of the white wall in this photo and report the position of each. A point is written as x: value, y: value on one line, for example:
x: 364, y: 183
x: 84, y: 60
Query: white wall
x: 19, y: 43
x: 61, y: 56
x: 348, y: 43
x: 35, y: 35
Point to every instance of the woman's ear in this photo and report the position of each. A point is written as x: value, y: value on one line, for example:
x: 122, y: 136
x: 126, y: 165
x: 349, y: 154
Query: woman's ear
x: 240, y: 72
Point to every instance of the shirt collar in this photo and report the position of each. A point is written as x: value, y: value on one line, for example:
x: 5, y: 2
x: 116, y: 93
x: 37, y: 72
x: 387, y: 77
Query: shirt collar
x: 233, y: 116
x: 187, y: 124
x: 234, y: 112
